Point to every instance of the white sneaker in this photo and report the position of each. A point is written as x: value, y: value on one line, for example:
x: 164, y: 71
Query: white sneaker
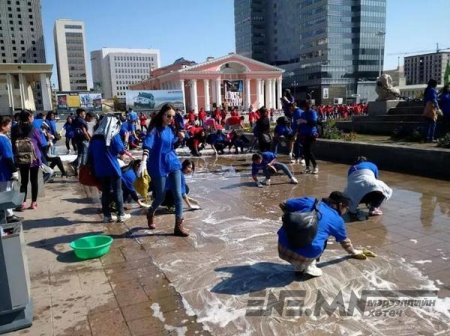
x: 266, y: 182
x: 294, y: 180
x: 313, y: 270
x: 114, y: 217
x: 315, y: 170
x: 307, y: 170
x: 123, y: 218
x: 302, y: 162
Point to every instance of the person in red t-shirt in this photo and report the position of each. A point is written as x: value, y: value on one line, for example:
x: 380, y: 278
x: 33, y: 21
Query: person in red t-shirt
x: 201, y: 116
x: 143, y: 121
x: 234, y: 122
x: 191, y: 117
x: 217, y: 116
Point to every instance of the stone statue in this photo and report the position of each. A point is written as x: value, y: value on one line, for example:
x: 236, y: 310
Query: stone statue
x: 385, y: 89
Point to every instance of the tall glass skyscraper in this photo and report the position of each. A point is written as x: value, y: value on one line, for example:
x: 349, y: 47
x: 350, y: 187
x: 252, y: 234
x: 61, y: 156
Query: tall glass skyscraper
x: 326, y: 47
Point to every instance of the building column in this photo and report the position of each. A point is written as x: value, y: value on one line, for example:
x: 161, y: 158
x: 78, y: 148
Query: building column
x: 181, y: 84
x: 266, y: 93
x: 206, y: 88
x: 46, y: 92
x: 247, y: 94
x: 22, y: 90
x: 274, y: 88
x: 274, y: 93
x: 10, y: 89
x: 259, y: 100
x: 218, y: 96
x: 194, y: 99
x: 279, y: 93
x: 213, y: 93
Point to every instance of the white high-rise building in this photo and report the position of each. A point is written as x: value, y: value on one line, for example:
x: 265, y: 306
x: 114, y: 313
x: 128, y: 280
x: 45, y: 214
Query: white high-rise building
x: 71, y: 55
x: 113, y: 69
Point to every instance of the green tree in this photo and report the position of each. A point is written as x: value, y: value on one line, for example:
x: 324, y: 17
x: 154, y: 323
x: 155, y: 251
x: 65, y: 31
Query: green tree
x: 447, y: 74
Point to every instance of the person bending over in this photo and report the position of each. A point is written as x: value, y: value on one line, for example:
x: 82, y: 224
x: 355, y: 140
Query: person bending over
x: 329, y: 223
x: 267, y: 161
x: 364, y: 187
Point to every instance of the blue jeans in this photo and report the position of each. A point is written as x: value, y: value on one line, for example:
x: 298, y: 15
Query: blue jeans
x: 159, y: 191
x: 431, y: 129
x: 278, y: 166
x: 82, y: 157
x: 114, y: 183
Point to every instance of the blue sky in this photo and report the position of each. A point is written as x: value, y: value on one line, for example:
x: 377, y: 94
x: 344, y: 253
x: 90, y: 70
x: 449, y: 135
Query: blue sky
x: 196, y: 29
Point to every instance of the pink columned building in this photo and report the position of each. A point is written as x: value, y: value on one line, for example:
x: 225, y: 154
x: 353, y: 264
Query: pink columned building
x: 231, y: 80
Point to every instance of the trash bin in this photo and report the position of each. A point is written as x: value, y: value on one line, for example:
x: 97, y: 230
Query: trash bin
x: 16, y: 311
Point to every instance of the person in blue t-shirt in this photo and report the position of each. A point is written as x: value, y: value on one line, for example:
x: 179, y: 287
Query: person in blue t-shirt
x: 70, y: 134
x: 82, y: 138
x: 267, y: 161
x: 41, y: 125
x: 104, y: 149
x: 163, y: 165
x: 364, y: 187
x: 430, y: 97
x: 187, y: 167
x: 330, y: 223
x: 8, y: 170
x: 52, y: 132
x: 444, y: 104
x: 308, y: 133
x: 283, y: 132
x: 129, y: 176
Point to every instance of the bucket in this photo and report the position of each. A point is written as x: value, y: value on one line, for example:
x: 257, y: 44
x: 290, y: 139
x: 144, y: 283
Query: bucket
x: 91, y: 246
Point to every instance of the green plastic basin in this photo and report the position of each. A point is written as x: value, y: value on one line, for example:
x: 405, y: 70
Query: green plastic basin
x: 91, y: 246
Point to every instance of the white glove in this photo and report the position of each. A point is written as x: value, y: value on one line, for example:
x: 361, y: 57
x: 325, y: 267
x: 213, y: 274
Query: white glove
x: 142, y: 167
x: 15, y: 176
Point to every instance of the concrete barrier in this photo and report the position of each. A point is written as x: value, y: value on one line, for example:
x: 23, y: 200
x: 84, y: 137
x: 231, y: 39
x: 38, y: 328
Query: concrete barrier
x: 430, y: 162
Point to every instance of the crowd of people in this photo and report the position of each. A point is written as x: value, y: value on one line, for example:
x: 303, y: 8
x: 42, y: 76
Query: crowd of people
x: 102, y: 147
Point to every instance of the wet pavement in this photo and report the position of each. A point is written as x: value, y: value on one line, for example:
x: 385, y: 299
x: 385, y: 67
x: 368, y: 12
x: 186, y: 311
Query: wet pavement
x: 226, y: 278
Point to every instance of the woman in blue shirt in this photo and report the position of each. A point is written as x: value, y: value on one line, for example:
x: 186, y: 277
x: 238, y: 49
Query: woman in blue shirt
x: 163, y: 165
x: 330, y: 223
x: 444, y: 103
x: 104, y: 149
x: 28, y: 171
x: 364, y: 187
x: 70, y: 134
x: 8, y: 170
x: 430, y: 111
x: 308, y: 134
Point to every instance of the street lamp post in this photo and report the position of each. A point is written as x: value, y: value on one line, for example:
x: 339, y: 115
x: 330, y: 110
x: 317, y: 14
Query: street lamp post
x: 381, y: 35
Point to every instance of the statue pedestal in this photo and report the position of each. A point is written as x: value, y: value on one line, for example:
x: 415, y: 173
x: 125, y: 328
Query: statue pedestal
x: 376, y: 108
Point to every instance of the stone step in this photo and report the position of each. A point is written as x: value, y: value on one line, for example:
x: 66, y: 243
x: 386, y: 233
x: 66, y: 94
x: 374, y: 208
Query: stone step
x: 389, y: 117
x: 406, y: 110
x: 378, y: 127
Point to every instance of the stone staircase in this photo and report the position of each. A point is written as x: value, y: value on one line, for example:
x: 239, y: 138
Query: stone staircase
x: 406, y: 115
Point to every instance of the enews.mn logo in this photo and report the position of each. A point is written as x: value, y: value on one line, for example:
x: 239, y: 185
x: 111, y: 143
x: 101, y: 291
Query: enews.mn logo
x: 370, y: 303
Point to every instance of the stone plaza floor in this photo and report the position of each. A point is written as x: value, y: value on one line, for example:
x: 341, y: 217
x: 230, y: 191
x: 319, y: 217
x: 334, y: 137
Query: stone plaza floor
x: 226, y: 277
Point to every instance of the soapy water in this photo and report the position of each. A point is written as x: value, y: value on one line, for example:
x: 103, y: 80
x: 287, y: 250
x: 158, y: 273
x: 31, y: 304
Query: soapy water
x: 235, y: 256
